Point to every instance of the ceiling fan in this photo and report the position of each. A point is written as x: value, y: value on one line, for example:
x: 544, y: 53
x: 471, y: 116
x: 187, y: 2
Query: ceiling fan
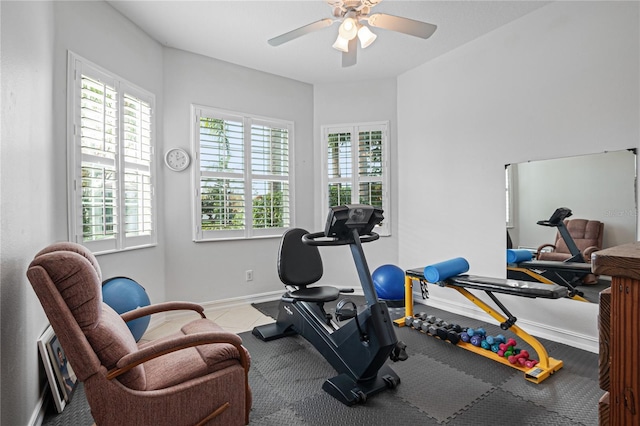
x: 352, y: 15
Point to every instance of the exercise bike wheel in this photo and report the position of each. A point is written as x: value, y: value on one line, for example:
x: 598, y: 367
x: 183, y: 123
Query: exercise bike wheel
x: 359, y: 396
x: 391, y: 382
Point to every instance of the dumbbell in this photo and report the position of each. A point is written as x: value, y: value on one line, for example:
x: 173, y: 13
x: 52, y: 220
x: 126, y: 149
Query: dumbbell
x: 416, y: 323
x: 519, y: 358
x: 442, y: 333
x: 430, y: 319
x: 456, y: 328
x: 432, y: 330
x: 453, y: 337
x: 421, y: 315
x: 530, y: 363
x: 495, y: 339
x: 476, y: 340
x: 464, y: 336
x: 408, y: 321
x: 485, y: 345
x: 425, y: 326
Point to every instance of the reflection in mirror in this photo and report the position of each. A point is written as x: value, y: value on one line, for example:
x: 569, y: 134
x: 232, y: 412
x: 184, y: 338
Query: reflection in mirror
x: 597, y: 187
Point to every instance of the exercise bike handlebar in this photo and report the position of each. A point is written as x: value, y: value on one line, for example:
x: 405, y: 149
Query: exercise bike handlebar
x: 314, y: 239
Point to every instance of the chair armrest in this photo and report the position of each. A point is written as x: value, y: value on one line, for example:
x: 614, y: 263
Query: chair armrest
x: 544, y: 246
x: 162, y: 307
x: 586, y: 253
x: 163, y: 347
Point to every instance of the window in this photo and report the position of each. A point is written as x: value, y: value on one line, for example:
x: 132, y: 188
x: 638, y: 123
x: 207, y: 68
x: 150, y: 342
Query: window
x: 356, y: 164
x: 111, y: 160
x: 242, y: 180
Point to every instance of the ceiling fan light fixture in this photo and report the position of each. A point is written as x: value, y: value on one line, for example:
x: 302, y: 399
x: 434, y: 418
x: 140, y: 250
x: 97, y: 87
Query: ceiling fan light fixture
x: 348, y: 29
x: 366, y: 36
x: 341, y: 44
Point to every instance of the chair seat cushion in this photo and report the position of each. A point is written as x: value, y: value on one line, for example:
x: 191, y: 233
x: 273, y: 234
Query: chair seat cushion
x: 177, y: 367
x: 554, y: 256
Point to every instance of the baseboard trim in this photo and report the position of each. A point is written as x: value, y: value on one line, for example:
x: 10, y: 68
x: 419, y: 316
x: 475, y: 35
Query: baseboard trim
x: 580, y: 341
x: 37, y: 417
x: 158, y: 319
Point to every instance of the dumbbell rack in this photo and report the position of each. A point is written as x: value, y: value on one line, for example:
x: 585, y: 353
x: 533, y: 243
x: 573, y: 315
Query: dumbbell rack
x: 546, y: 365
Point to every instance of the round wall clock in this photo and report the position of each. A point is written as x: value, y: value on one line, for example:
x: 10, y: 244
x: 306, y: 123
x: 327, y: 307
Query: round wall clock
x: 177, y: 159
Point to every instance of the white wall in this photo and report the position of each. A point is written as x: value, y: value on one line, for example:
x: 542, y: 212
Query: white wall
x: 97, y: 32
x: 209, y: 271
x: 28, y: 197
x: 35, y: 39
x: 560, y: 81
x: 356, y: 103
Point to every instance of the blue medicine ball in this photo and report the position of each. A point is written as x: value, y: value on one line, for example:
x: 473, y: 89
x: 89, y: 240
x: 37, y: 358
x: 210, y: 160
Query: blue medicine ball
x: 389, y: 282
x: 124, y: 294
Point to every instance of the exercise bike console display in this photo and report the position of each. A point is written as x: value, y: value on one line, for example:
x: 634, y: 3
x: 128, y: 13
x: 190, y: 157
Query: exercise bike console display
x: 345, y: 224
x: 359, y: 346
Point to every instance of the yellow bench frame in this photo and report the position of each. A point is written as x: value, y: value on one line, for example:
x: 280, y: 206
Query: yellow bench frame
x: 546, y: 365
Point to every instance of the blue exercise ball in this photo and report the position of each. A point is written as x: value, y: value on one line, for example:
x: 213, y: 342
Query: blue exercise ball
x: 389, y: 282
x: 123, y: 295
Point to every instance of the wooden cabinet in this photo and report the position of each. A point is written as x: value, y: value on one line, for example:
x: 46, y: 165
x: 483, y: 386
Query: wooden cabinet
x: 619, y: 333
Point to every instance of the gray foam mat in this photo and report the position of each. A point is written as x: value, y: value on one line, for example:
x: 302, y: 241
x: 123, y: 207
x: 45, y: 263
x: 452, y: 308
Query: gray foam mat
x: 439, y: 389
x: 565, y: 393
x: 501, y: 407
x: 381, y: 409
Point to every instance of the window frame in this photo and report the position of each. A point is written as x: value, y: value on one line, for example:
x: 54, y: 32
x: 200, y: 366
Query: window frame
x: 78, y: 66
x: 509, y: 181
x: 248, y: 176
x: 354, y: 129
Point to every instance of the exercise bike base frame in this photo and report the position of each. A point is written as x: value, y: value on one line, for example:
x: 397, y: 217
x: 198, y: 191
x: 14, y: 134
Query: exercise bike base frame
x: 343, y: 347
x: 350, y: 392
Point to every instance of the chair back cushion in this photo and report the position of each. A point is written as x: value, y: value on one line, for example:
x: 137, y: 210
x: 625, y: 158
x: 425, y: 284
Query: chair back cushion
x: 585, y: 233
x: 299, y: 264
x: 67, y: 280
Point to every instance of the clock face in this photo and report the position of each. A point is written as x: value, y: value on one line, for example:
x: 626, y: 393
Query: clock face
x: 177, y: 159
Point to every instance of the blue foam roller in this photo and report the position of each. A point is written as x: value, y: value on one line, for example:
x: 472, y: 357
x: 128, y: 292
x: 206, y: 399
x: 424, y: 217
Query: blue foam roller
x: 519, y: 255
x: 447, y: 269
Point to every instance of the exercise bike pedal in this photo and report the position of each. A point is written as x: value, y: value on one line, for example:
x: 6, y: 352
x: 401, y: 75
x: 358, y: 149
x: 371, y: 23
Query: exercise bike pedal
x: 345, y: 314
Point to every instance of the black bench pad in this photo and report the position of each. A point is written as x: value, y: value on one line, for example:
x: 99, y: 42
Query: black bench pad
x: 500, y: 285
x: 575, y: 267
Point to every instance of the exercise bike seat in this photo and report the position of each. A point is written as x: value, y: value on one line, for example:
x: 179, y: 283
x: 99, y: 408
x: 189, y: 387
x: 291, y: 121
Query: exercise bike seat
x: 300, y: 265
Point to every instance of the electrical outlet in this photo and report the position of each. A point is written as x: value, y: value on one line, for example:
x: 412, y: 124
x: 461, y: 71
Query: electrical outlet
x: 248, y: 275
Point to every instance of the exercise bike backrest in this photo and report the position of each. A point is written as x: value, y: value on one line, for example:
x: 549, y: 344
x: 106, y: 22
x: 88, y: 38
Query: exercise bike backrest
x: 299, y: 264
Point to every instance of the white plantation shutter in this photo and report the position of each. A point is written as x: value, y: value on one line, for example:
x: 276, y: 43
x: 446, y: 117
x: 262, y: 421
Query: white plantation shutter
x: 111, y: 167
x: 356, y: 164
x: 243, y: 180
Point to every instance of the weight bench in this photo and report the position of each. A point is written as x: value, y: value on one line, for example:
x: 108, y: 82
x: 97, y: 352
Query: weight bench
x: 520, y: 266
x: 461, y: 283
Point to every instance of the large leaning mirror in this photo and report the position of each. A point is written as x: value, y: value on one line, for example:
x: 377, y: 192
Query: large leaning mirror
x: 597, y: 187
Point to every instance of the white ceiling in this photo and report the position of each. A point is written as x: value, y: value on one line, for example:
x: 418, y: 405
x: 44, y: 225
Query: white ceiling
x: 237, y: 32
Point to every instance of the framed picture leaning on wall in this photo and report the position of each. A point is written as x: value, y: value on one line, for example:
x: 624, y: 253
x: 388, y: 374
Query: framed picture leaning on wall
x: 62, y: 379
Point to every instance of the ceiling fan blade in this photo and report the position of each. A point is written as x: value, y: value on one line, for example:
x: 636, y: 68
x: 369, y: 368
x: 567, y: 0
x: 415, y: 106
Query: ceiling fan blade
x: 402, y: 25
x: 298, y: 32
x: 349, y: 58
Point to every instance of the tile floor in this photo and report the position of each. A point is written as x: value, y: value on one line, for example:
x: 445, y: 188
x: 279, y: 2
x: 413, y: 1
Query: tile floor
x: 236, y: 320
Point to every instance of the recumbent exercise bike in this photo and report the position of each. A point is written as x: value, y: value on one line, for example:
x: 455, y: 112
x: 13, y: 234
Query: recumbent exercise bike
x: 359, y: 348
